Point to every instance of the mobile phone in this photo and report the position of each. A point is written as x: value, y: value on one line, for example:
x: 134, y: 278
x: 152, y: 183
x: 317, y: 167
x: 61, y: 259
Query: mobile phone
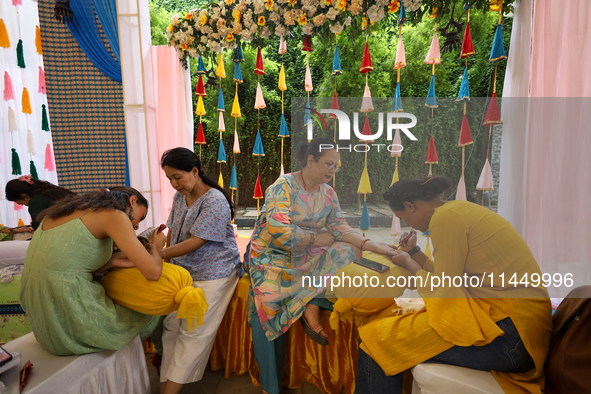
x: 5, y: 356
x: 161, y: 228
x: 372, y: 265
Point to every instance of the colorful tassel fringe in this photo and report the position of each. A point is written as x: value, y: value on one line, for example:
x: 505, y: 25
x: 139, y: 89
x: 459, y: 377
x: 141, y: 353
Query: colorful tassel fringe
x: 49, y: 159
x: 26, y: 102
x: 38, y: 41
x: 33, y: 170
x: 44, y: 119
x: 16, y: 163
x: 19, y: 54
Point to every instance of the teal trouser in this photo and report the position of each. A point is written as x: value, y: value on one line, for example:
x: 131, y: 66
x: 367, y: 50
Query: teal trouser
x: 270, y: 355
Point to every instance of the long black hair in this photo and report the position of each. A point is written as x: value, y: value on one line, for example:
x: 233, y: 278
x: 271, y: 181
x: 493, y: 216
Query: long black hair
x: 15, y: 188
x: 410, y: 190
x: 115, y: 198
x: 185, y: 160
x: 313, y: 148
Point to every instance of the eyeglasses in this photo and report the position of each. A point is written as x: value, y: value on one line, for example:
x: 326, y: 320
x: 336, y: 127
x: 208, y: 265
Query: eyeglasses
x: 333, y: 167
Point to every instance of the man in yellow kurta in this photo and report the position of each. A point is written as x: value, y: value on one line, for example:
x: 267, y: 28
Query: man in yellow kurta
x: 490, y: 324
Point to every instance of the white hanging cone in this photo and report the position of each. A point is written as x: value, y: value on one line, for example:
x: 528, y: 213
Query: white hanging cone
x: 11, y: 120
x: 434, y: 55
x: 400, y: 55
x: 485, y: 182
x: 282, y: 46
x: 236, y: 148
x: 308, y: 80
x: 396, y: 229
x: 221, y: 124
x: 30, y: 143
x: 367, y: 104
x: 396, y: 145
x: 461, y: 192
x: 259, y: 102
x: 282, y: 172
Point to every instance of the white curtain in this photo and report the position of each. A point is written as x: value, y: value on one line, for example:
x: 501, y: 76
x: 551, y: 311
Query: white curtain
x: 20, y: 22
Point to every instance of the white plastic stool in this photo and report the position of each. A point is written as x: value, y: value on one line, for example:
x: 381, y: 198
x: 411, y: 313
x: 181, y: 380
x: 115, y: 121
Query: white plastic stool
x: 449, y: 379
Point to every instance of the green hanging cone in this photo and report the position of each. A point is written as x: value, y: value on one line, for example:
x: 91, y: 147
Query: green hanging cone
x: 16, y: 163
x: 33, y: 170
x: 44, y: 120
x: 19, y: 54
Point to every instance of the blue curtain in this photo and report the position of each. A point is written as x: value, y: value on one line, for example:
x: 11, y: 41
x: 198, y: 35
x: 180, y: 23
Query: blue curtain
x: 85, y: 30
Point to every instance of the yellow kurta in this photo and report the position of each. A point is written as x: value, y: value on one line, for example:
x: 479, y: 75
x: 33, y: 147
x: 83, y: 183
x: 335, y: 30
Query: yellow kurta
x: 470, y: 239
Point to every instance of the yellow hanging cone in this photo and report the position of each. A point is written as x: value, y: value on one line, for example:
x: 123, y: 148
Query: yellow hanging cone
x: 4, y: 39
x: 395, y: 177
x: 200, y: 107
x: 26, y: 102
x: 20, y: 222
x: 221, y: 181
x: 38, y: 41
x: 236, y: 108
x: 428, y: 250
x: 220, y: 71
x: 282, y: 84
x: 364, y: 185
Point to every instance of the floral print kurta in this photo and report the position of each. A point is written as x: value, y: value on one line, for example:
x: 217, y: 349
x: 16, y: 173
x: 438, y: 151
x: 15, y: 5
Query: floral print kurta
x: 275, y: 269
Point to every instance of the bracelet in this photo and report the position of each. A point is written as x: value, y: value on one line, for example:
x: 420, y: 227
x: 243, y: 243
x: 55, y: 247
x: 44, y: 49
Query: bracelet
x: 363, y: 244
x: 100, y: 275
x: 312, y: 239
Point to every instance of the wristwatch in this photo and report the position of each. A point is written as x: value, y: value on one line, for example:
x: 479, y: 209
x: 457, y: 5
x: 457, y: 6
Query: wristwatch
x: 416, y: 249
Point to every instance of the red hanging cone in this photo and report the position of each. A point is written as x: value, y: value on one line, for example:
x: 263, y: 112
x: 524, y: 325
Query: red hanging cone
x: 465, y: 134
x: 366, y: 65
x: 307, y: 44
x: 366, y: 131
x: 493, y: 115
x: 200, y: 140
x: 334, y: 105
x: 431, y: 153
x: 258, y: 192
x: 259, y: 68
x: 467, y: 46
x: 200, y: 90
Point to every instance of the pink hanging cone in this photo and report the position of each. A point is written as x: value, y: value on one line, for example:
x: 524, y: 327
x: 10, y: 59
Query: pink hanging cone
x: 42, y: 89
x: 17, y: 2
x: 259, y: 102
x: 281, y: 173
x: 236, y: 148
x: 308, y: 80
x: 282, y: 46
x: 485, y: 182
x: 8, y: 91
x: 221, y: 125
x: 400, y: 55
x: 18, y: 207
x: 461, y: 192
x: 49, y: 166
x: 396, y: 229
x: 434, y: 55
x: 367, y: 104
x: 396, y: 145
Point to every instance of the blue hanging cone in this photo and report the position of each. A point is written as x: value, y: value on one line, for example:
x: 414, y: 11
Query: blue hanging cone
x: 238, y: 55
x: 201, y: 66
x: 397, y: 103
x: 237, y: 73
x: 497, y: 52
x: 221, y: 106
x: 464, y: 94
x: 221, y: 153
x: 283, y: 130
x: 364, y: 224
x: 258, y: 146
x: 307, y: 113
x: 402, y: 15
x: 234, y: 179
x: 336, y: 62
x: 431, y: 98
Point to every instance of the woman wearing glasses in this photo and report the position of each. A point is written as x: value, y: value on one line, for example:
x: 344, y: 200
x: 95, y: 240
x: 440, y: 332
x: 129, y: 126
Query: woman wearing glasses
x: 300, y: 232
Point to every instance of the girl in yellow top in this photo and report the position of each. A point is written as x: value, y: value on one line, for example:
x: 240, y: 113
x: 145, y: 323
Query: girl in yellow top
x: 489, y: 324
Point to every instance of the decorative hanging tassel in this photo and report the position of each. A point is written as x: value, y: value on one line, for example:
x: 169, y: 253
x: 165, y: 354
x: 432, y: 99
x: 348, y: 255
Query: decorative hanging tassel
x: 42, y: 88
x: 220, y: 70
x: 221, y: 181
x: 20, y: 220
x: 234, y: 179
x: 30, y: 143
x: 11, y: 120
x: 44, y: 119
x: 308, y: 87
x: 26, y: 102
x: 236, y: 148
x: 221, y: 152
x: 200, y: 139
x: 365, y: 221
x: 49, y: 166
x: 19, y: 54
x: 38, y: 41
x: 461, y: 192
x: 16, y: 163
x: 8, y: 91
x: 395, y: 229
x: 62, y: 11
x: 367, y: 103
x: 259, y: 102
x: 18, y: 207
x: 4, y: 39
x: 33, y: 170
x: 15, y: 3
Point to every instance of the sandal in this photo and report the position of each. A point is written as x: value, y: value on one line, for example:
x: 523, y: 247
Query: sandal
x: 313, y: 333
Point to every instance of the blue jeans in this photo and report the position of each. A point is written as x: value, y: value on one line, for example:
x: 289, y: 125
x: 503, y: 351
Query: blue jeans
x: 505, y: 353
